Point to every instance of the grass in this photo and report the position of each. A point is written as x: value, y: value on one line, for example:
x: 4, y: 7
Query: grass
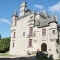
x: 5, y: 54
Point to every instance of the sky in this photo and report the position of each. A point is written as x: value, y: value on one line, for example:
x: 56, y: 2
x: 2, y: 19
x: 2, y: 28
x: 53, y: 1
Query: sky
x: 7, y: 8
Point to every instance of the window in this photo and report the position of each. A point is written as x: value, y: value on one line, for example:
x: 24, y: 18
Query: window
x: 43, y: 32
x: 30, y: 30
x: 12, y: 23
x: 13, y: 44
x: 14, y: 35
x: 57, y: 41
x: 34, y: 34
x: 53, y: 31
x: 31, y: 18
x: 49, y: 49
x: 23, y: 33
x: 30, y: 42
x: 15, y: 23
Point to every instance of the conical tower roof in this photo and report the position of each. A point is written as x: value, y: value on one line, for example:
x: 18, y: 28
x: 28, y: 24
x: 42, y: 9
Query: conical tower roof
x: 15, y: 14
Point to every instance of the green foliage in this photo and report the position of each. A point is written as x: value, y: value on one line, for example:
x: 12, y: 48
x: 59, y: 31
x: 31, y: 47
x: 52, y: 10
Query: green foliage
x: 4, y: 45
x: 0, y: 36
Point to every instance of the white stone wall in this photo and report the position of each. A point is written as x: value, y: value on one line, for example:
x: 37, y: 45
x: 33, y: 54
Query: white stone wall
x: 21, y: 42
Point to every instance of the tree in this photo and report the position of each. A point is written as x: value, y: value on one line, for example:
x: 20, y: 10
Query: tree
x: 0, y: 36
x: 4, y: 45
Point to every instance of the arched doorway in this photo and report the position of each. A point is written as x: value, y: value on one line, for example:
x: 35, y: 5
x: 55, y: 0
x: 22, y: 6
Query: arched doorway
x: 43, y: 47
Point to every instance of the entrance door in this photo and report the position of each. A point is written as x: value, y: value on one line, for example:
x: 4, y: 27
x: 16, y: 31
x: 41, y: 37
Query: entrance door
x: 43, y: 47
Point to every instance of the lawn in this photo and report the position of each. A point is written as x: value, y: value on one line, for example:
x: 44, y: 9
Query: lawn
x: 5, y: 54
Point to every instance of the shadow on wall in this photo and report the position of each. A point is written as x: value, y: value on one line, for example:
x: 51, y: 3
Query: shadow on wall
x: 42, y: 56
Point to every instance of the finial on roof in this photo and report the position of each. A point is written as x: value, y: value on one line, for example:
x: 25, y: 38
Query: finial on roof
x: 24, y: 2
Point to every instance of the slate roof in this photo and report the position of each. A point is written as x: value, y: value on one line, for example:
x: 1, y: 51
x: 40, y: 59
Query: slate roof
x: 46, y: 19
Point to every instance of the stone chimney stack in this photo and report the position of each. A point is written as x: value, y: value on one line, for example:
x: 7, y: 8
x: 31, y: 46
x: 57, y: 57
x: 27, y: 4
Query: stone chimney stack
x: 23, y: 8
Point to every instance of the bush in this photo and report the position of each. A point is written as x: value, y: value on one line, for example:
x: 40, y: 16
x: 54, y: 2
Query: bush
x: 4, y: 45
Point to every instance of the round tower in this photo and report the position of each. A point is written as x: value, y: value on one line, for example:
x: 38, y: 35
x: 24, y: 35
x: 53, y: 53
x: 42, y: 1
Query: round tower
x: 53, y: 28
x: 54, y: 36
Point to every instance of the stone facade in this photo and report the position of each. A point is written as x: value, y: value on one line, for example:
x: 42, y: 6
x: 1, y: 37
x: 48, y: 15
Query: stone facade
x: 32, y: 31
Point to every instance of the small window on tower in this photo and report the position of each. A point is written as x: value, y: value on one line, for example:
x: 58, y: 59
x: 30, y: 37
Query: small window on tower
x: 30, y: 30
x: 14, y: 35
x: 13, y: 44
x: 53, y: 31
x: 15, y: 23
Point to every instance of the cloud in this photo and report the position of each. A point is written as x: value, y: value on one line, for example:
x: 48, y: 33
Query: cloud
x: 5, y: 21
x: 39, y: 6
x: 55, y: 8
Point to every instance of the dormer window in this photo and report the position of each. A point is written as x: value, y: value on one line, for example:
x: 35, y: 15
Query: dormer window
x: 44, y: 32
x: 31, y: 18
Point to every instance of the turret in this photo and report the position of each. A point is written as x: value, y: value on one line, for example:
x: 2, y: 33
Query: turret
x: 14, y: 19
x: 15, y: 16
x: 53, y: 28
